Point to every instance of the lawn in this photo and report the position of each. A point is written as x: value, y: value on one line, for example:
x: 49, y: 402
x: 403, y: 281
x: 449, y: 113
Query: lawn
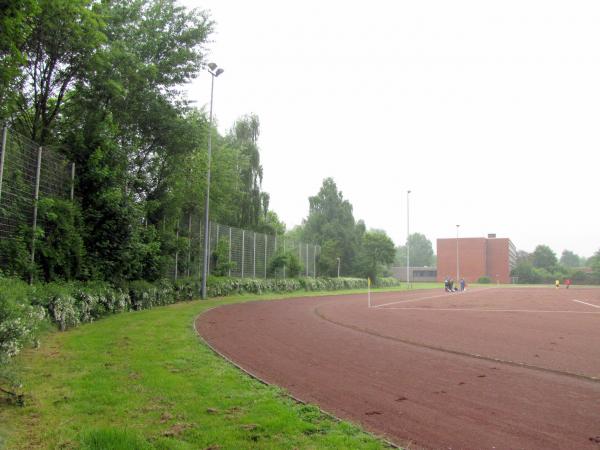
x: 145, y: 380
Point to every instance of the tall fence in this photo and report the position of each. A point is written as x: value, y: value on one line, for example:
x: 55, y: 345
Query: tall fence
x: 235, y: 252
x: 29, y: 172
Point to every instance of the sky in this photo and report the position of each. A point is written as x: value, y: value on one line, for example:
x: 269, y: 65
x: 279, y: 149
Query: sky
x: 488, y: 112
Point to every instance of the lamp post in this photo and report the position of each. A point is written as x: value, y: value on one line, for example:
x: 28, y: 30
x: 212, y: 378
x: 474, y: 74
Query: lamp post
x: 457, y: 265
x: 338, y: 260
x: 407, y: 240
x: 214, y: 71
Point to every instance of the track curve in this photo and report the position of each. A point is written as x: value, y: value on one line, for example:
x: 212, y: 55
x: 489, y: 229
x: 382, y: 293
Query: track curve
x: 322, y: 351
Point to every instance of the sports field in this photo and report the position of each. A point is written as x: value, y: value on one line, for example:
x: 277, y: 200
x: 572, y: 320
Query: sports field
x: 490, y: 367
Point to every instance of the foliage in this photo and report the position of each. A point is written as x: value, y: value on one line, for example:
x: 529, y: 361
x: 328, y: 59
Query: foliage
x: 15, y: 254
x: 570, y: 259
x: 287, y: 261
x: 376, y: 251
x: 330, y: 224
x: 19, y: 324
x: 484, y: 280
x: 61, y: 250
x: 543, y: 257
x: 220, y: 264
x: 421, y: 252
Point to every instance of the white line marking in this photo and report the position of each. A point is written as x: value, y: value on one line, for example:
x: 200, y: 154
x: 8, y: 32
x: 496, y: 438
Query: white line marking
x: 585, y: 303
x: 495, y: 310
x: 446, y: 294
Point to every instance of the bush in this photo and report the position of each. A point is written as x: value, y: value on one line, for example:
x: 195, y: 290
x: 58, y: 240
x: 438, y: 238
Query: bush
x: 484, y: 280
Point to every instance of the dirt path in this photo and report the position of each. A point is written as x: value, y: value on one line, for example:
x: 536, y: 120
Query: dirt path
x: 327, y: 351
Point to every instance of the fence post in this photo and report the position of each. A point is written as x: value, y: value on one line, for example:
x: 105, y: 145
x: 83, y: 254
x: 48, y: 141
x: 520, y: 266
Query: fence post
x: 306, y: 259
x: 243, y: 248
x: 314, y: 261
x: 229, y: 261
x: 266, y: 243
x: 254, y: 257
x: 284, y: 253
x: 72, y: 181
x: 189, y: 258
x: 177, y: 249
x: 2, y: 152
x: 35, y: 210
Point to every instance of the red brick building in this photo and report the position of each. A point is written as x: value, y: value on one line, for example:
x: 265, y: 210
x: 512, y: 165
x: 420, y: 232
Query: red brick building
x: 477, y: 257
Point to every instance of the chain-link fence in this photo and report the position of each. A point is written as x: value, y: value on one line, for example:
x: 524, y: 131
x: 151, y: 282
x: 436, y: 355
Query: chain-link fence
x: 237, y: 253
x: 28, y: 172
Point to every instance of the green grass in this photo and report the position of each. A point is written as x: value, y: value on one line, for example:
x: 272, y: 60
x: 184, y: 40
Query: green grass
x: 145, y: 380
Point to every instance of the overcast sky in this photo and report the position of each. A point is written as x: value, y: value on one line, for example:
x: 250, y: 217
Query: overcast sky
x: 488, y: 111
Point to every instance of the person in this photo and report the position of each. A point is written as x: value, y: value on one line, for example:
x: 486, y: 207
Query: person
x: 557, y: 284
x: 447, y: 284
x: 462, y: 284
x: 568, y: 282
x: 451, y: 285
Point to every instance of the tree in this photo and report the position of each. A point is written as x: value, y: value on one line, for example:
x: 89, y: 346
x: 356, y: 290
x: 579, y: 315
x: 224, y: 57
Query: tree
x: 543, y: 257
x: 65, y: 35
x: 377, y: 250
x: 421, y: 252
x: 16, y: 29
x: 330, y: 224
x: 570, y: 259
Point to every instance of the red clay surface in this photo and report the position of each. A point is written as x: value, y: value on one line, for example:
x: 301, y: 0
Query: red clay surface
x: 488, y: 368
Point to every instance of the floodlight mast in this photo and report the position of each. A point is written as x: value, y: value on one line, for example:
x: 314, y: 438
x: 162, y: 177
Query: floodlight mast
x: 407, y: 240
x: 214, y: 71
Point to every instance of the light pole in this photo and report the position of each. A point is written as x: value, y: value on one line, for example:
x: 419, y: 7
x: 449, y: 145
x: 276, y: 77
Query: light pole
x: 407, y: 240
x: 457, y: 266
x: 214, y: 71
x: 338, y: 260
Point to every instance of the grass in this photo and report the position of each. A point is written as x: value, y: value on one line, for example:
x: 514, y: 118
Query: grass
x: 145, y: 380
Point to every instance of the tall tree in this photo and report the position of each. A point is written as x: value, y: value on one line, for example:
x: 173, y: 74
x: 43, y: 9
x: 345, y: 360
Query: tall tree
x: 65, y: 36
x: 543, y: 257
x: 377, y: 251
x: 330, y: 224
x: 421, y: 251
x: 570, y: 259
x: 15, y: 26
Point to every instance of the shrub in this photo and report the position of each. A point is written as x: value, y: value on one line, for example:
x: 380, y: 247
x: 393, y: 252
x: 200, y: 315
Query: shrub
x: 484, y: 280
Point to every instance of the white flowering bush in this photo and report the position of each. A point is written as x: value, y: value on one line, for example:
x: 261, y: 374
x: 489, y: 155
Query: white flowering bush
x: 64, y: 311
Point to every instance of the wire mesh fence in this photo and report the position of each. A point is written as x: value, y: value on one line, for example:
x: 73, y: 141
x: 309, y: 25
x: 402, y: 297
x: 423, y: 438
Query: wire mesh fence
x: 27, y: 173
x: 236, y: 252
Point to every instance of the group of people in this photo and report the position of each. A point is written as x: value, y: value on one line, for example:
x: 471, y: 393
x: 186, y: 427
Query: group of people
x: 567, y: 283
x: 449, y: 285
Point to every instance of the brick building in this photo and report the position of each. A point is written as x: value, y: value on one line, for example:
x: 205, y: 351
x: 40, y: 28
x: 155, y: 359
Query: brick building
x: 477, y: 257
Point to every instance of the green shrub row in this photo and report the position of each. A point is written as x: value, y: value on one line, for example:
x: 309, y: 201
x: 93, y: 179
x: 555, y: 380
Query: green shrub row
x: 24, y: 307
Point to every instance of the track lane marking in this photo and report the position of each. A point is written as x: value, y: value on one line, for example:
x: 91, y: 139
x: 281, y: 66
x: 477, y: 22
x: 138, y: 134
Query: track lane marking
x: 585, y: 303
x: 496, y: 310
x: 446, y: 294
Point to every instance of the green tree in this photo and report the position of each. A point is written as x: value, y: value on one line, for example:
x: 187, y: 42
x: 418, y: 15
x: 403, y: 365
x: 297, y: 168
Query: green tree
x: 330, y: 224
x: 570, y: 259
x: 377, y: 251
x: 543, y: 257
x: 421, y: 252
x: 65, y: 35
x: 15, y: 29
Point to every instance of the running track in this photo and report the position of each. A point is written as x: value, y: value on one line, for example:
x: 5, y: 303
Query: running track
x: 496, y: 368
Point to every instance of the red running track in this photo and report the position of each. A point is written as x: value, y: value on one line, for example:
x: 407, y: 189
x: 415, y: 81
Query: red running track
x: 490, y: 368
